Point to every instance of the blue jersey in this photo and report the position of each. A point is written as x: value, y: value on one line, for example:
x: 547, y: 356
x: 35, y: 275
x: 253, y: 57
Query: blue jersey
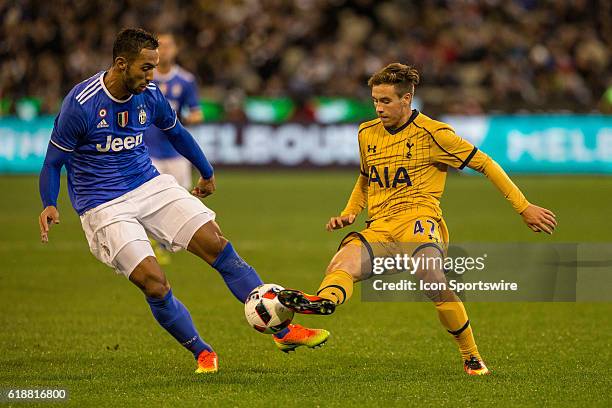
x: 105, y: 136
x: 179, y: 88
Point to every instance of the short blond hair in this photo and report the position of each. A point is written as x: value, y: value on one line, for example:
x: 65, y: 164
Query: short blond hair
x: 404, y: 77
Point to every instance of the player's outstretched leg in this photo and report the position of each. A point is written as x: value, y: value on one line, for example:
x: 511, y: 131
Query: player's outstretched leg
x: 452, y: 315
x: 304, y: 303
x: 335, y: 289
x: 241, y: 278
x: 209, y: 244
x: 171, y: 314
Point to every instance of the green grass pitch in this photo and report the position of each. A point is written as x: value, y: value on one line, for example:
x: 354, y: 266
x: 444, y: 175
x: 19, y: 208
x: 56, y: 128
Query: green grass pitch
x: 68, y: 321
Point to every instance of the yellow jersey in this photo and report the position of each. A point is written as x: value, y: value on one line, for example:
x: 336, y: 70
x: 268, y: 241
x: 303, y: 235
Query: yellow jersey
x: 403, y: 171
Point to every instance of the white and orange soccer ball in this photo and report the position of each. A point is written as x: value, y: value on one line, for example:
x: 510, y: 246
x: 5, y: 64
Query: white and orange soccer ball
x: 264, y: 312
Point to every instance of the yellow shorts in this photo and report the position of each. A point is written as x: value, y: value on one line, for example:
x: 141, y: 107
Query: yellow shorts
x: 410, y: 230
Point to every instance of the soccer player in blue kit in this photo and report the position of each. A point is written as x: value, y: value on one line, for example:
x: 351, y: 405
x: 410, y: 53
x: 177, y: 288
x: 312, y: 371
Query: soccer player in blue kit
x: 120, y: 196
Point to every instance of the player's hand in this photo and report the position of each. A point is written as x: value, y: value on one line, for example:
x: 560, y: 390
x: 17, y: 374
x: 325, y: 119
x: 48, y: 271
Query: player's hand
x: 205, y: 187
x: 48, y: 217
x: 539, y: 219
x: 342, y: 221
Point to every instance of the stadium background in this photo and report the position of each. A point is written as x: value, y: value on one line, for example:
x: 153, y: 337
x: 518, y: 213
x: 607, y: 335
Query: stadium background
x: 283, y: 85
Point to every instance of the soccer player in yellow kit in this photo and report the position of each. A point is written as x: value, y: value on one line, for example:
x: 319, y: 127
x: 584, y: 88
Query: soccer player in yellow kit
x: 404, y: 159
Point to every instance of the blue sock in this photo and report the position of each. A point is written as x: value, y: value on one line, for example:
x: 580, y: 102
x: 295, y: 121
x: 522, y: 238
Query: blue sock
x: 239, y: 276
x: 173, y: 316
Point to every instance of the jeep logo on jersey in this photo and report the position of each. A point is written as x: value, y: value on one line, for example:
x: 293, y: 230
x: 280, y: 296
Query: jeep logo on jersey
x: 117, y: 144
x: 142, y: 117
x: 122, y: 118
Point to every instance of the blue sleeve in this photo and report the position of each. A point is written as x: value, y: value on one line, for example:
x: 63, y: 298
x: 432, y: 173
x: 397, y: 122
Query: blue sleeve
x: 70, y: 125
x: 165, y: 117
x: 191, y: 96
x: 186, y: 145
x: 49, y: 180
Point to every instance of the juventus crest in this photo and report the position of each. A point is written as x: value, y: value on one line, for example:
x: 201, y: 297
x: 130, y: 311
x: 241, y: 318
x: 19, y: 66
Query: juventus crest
x: 142, y: 116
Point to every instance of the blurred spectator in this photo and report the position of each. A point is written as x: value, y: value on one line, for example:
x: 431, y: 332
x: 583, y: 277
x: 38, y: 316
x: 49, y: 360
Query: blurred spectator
x: 500, y: 55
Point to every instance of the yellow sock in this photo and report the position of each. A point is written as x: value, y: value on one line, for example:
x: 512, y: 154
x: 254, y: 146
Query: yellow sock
x: 336, y: 286
x: 454, y: 318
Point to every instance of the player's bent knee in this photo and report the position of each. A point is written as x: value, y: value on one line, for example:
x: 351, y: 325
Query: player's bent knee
x: 131, y: 256
x: 208, y: 242
x: 157, y: 290
x: 149, y: 277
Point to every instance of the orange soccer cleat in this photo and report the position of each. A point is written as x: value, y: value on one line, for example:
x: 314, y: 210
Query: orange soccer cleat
x: 301, y: 336
x: 208, y: 362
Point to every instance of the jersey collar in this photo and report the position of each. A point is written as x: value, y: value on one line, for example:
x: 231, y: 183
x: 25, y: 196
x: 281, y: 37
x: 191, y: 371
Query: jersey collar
x: 412, y: 117
x: 109, y: 94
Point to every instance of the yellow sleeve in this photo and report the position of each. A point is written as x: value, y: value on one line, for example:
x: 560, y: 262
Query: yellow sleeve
x: 482, y: 163
x: 450, y: 149
x: 359, y: 197
x: 363, y: 167
x: 458, y: 152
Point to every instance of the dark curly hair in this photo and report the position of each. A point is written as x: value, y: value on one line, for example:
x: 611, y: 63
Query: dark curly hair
x: 130, y: 41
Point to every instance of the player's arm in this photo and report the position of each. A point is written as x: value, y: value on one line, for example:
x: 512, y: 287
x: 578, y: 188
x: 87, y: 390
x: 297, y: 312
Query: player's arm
x: 49, y: 185
x: 457, y: 152
x: 69, y: 126
x: 184, y: 143
x: 357, y: 201
x: 537, y: 218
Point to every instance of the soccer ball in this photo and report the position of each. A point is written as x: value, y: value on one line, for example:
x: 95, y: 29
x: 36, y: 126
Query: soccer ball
x: 264, y: 312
